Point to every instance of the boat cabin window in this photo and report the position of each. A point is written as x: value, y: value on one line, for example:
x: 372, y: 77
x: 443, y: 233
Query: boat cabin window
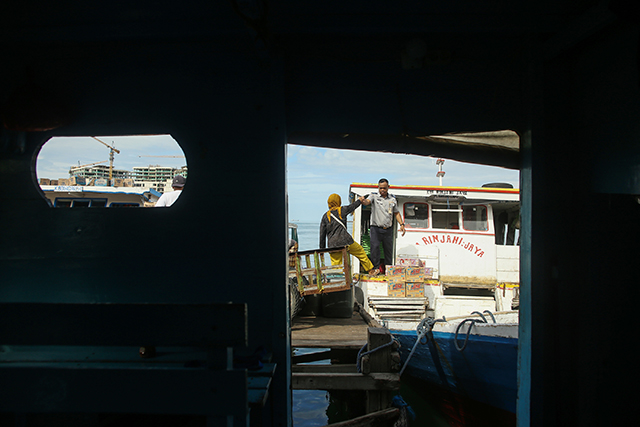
x: 475, y: 218
x: 80, y: 203
x: 446, y: 216
x: 90, y: 172
x: 416, y: 215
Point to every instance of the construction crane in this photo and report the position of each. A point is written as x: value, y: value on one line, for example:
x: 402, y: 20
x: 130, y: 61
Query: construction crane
x: 111, y: 156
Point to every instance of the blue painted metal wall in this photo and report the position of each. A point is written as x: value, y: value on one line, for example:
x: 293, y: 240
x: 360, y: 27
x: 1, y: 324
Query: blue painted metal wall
x: 230, y: 85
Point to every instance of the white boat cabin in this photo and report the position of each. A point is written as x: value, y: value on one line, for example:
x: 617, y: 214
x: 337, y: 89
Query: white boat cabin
x: 467, y: 238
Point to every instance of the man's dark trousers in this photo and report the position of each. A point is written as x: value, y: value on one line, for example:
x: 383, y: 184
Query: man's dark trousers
x: 384, y: 236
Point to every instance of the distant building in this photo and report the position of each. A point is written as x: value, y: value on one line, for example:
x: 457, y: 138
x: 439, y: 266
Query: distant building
x: 157, y: 177
x: 96, y: 172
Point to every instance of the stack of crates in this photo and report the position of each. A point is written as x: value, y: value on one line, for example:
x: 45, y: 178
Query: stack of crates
x: 407, y: 278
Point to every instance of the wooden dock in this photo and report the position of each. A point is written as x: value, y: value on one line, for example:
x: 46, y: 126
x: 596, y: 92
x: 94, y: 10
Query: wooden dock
x: 341, y: 339
x: 326, y: 332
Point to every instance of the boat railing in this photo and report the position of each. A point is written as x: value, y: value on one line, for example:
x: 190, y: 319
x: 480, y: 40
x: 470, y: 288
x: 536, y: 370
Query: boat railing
x: 314, y: 276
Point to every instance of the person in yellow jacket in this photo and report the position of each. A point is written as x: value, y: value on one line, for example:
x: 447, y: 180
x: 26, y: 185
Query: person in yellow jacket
x: 333, y: 232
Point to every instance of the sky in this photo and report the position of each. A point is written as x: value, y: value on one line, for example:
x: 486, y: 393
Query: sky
x: 312, y: 173
x: 315, y: 173
x: 59, y: 154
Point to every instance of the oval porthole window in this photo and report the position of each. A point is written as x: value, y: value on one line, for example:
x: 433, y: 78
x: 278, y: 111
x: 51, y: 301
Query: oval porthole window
x: 111, y: 171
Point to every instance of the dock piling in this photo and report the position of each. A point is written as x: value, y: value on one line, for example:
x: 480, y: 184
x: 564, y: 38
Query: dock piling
x: 379, y: 361
x: 339, y: 340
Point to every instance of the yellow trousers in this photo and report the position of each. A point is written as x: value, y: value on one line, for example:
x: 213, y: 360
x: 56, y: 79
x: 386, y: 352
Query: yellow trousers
x: 357, y: 251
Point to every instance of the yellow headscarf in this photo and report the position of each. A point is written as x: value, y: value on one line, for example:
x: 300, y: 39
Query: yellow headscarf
x: 334, y: 203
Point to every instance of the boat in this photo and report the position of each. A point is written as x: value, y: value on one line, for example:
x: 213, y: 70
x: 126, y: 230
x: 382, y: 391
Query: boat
x: 450, y: 296
x: 472, y: 356
x: 96, y: 196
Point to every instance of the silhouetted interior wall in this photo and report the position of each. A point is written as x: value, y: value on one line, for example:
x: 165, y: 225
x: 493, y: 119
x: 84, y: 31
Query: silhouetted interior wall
x: 231, y: 104
x: 584, y: 171
x: 225, y: 238
x: 357, y: 84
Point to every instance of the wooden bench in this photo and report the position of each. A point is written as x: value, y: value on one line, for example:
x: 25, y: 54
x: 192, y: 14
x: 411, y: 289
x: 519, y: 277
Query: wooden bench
x: 70, y: 358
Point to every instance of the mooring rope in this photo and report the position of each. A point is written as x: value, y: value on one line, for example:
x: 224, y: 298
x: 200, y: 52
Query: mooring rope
x: 423, y: 329
x: 406, y: 412
x: 361, y: 354
x: 426, y: 325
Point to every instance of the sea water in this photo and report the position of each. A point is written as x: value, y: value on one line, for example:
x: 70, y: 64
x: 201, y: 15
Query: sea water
x: 311, y: 408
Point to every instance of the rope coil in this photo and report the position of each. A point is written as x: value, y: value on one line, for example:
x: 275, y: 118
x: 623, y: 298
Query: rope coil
x: 471, y: 323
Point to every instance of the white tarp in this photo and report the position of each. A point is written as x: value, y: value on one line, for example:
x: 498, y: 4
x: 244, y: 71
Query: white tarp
x: 506, y: 139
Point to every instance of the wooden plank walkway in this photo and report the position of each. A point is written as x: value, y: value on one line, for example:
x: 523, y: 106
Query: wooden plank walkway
x: 345, y: 337
x: 327, y: 332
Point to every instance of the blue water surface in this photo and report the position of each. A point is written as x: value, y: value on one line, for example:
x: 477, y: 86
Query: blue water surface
x: 309, y: 407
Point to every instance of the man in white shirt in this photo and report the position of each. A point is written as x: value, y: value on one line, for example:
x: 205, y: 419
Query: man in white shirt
x: 384, y: 207
x: 168, y: 199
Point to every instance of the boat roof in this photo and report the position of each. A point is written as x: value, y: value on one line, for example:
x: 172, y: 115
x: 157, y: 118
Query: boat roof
x: 98, y: 189
x: 436, y: 191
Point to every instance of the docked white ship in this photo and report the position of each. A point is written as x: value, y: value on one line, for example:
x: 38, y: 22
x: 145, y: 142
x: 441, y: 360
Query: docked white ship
x: 451, y: 295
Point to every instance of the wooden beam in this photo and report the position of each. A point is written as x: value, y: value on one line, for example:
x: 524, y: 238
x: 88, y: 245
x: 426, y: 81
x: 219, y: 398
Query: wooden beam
x: 348, y: 368
x: 369, y: 419
x: 366, y: 316
x: 328, y: 342
x: 344, y: 381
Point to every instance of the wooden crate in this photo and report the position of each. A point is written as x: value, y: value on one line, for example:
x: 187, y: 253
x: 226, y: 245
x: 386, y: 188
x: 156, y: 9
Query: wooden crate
x: 314, y: 276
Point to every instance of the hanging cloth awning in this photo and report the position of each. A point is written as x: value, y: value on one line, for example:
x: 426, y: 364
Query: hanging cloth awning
x: 493, y: 148
x: 502, y: 139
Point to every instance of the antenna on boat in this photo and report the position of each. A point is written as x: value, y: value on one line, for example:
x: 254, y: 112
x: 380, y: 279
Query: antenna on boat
x: 440, y: 173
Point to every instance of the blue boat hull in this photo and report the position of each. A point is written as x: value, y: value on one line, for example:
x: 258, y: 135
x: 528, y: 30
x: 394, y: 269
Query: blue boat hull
x: 485, y: 371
